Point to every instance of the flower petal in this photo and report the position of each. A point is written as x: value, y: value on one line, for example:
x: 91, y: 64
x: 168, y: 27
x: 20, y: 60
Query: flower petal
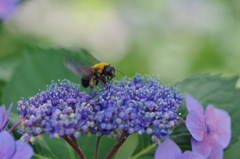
x: 196, y: 125
x: 168, y: 149
x: 202, y: 147
x: 194, y: 105
x: 217, y: 151
x: 2, y: 111
x: 23, y: 151
x: 7, y: 145
x: 7, y: 7
x: 191, y: 155
x: 6, y: 116
x: 219, y: 124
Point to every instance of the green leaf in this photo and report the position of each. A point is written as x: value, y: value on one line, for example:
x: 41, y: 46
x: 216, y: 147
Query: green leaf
x: 38, y: 67
x: 145, y: 148
x: 44, y: 148
x: 217, y: 90
x: 88, y: 144
x: 128, y: 147
x: 234, y: 152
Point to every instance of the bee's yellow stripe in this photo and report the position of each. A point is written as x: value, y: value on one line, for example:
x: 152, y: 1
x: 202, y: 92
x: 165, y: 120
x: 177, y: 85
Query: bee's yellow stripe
x: 100, y: 66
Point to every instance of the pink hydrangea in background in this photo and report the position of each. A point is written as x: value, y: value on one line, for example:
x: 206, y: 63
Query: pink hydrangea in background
x: 7, y: 7
x: 211, y: 132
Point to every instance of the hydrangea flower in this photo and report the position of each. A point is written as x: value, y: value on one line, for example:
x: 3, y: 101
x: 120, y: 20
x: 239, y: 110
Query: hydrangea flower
x: 7, y: 7
x: 140, y: 104
x: 211, y: 133
x: 13, y: 149
x: 168, y: 149
x: 4, y: 115
x: 60, y: 110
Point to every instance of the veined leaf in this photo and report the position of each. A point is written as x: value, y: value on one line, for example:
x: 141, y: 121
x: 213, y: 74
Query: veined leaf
x: 37, y: 69
x: 217, y: 90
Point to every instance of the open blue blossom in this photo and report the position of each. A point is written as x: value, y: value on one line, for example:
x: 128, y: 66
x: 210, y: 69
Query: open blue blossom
x: 211, y: 133
x: 10, y: 149
x: 60, y: 110
x: 168, y: 149
x: 141, y: 104
x: 7, y: 7
x: 4, y: 117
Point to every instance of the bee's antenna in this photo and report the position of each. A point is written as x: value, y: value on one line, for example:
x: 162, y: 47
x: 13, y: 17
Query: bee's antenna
x: 120, y: 72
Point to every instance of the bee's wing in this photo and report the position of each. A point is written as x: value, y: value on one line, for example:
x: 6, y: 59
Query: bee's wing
x: 90, y: 56
x: 78, y: 68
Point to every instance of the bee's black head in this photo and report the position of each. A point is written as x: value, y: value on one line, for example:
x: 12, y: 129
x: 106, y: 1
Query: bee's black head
x: 109, y: 70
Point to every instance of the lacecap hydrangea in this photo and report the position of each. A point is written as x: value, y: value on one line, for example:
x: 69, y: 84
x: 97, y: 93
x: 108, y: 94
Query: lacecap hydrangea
x: 60, y: 110
x: 140, y: 104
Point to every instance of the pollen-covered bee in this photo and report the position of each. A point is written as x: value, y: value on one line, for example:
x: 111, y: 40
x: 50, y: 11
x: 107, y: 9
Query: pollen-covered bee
x: 91, y: 76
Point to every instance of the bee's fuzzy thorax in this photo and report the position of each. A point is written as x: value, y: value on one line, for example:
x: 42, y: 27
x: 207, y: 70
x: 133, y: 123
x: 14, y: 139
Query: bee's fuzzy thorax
x: 100, y: 66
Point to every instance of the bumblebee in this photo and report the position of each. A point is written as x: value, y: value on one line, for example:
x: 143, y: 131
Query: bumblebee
x: 91, y: 76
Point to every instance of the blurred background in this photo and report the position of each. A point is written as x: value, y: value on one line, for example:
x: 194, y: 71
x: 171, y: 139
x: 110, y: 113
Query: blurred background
x: 170, y: 38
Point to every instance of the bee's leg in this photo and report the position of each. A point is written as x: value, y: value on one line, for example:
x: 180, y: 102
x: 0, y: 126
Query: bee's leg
x: 110, y: 78
x: 107, y: 77
x: 103, y: 79
x: 97, y: 81
x: 91, y: 84
x: 91, y: 81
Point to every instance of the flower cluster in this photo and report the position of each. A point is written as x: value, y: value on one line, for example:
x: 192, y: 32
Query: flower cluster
x: 60, y: 110
x: 140, y: 104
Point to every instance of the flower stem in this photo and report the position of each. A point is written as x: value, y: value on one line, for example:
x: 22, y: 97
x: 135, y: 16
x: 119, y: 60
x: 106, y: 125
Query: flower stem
x: 74, y: 140
x: 119, y: 143
x: 15, y: 125
x: 97, y: 147
x: 181, y: 119
x: 28, y: 139
x: 75, y: 147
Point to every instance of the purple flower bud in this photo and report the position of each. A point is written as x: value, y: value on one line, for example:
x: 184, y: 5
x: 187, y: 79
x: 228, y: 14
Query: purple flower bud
x: 71, y: 101
x: 69, y: 131
x: 149, y: 131
x: 76, y: 134
x: 67, y: 110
